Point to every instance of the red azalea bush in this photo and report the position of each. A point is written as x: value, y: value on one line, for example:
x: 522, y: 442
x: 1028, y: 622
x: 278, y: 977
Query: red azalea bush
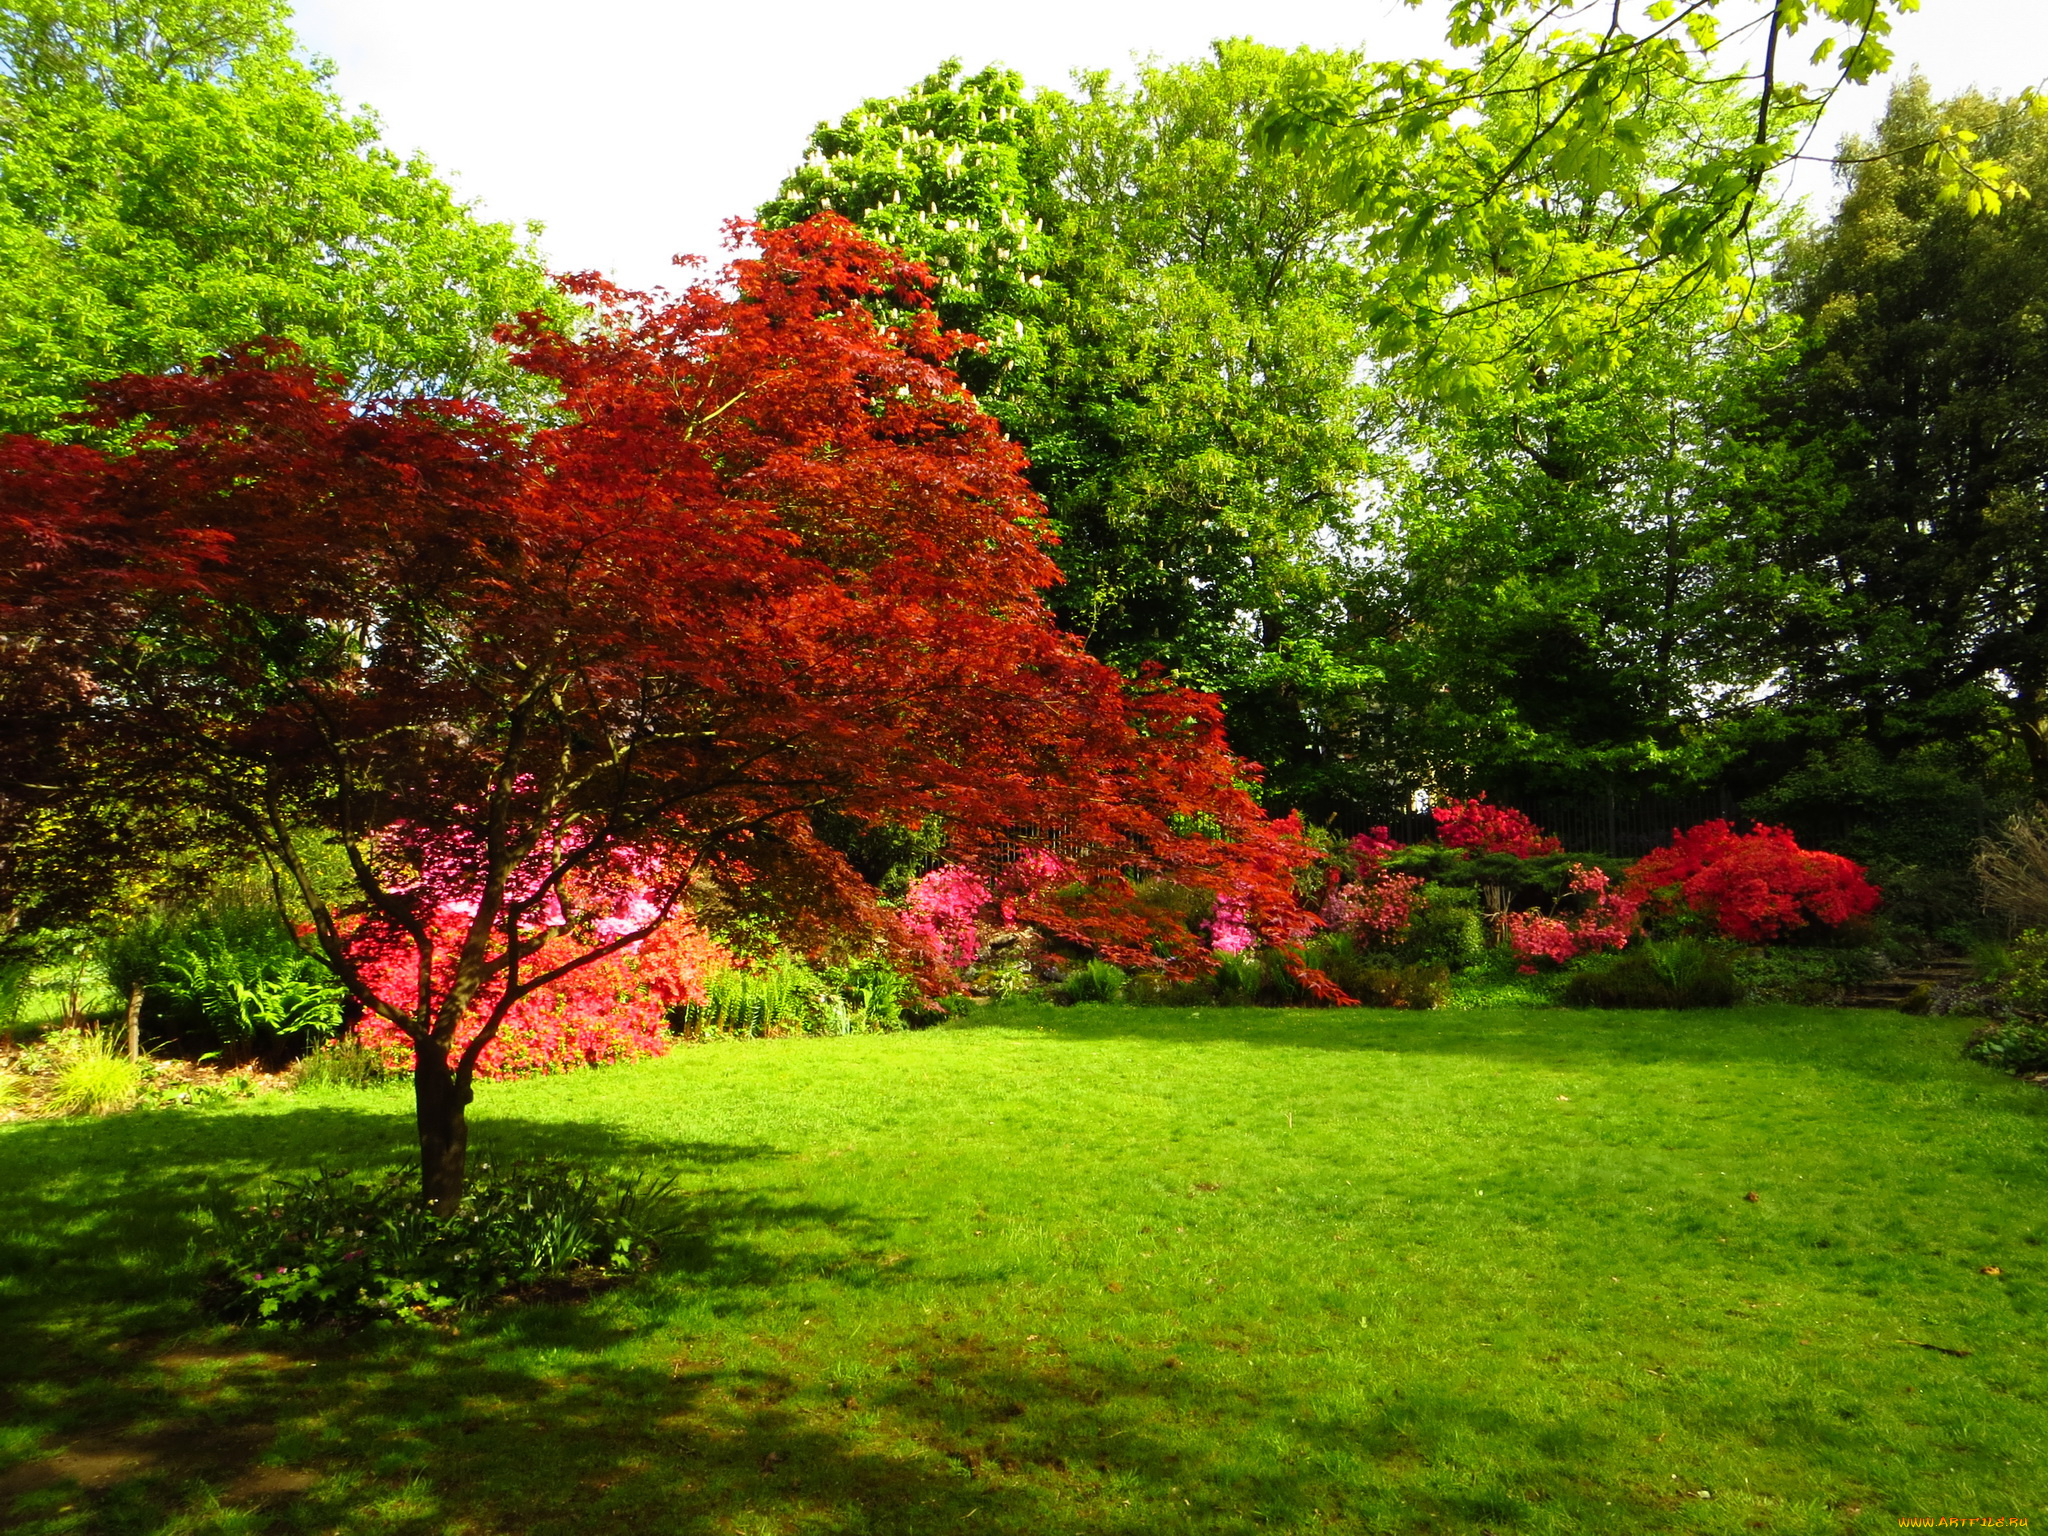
x: 1482, y: 828
x: 614, y: 1009
x: 1608, y: 921
x: 1369, y: 848
x: 1753, y: 886
x: 611, y: 1009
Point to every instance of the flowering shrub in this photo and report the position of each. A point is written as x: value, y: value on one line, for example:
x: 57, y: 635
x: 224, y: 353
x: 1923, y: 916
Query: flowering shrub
x: 1368, y: 848
x: 1038, y: 870
x: 1481, y: 828
x: 614, y: 1009
x: 1607, y: 921
x: 941, y: 910
x: 1228, y: 932
x: 611, y: 1009
x: 1753, y: 886
x: 1376, y: 909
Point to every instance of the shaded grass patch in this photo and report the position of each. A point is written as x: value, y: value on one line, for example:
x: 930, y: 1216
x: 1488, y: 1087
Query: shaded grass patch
x: 1112, y: 1269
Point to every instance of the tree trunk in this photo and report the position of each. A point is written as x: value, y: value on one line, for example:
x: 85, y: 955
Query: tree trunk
x: 135, y: 1021
x: 438, y: 1104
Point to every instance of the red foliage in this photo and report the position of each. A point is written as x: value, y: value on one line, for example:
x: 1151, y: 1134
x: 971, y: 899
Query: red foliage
x: 1370, y: 847
x: 1753, y: 886
x: 611, y: 1009
x: 769, y: 558
x: 1482, y: 828
x: 1377, y: 908
x: 1608, y: 921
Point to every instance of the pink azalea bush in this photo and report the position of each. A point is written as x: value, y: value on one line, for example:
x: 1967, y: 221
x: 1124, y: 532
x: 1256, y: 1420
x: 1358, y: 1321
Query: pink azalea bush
x: 1607, y: 921
x: 941, y: 910
x: 1375, y: 909
x: 1229, y: 932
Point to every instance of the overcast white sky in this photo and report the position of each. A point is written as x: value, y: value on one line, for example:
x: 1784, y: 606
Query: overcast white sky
x: 633, y: 128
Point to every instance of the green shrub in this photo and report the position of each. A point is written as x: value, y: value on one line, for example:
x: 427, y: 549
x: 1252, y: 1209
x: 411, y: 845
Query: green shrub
x: 1096, y: 982
x: 1812, y: 977
x: 93, y: 1075
x: 1444, y: 929
x: 341, y: 1247
x: 754, y: 999
x: 339, y: 1063
x: 230, y: 973
x: 781, y: 994
x: 1191, y: 904
x: 1150, y: 989
x: 2026, y: 976
x: 1675, y: 973
x: 17, y: 980
x: 1238, y: 979
x: 2016, y: 1045
x: 1377, y: 981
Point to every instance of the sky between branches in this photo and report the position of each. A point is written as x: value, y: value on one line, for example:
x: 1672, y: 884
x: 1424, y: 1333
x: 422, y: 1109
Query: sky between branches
x: 634, y: 128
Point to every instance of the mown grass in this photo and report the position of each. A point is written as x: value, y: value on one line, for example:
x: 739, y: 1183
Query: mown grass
x: 1115, y: 1270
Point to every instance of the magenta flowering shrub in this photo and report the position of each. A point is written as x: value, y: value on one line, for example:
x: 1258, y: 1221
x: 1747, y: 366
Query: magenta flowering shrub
x: 1377, y: 908
x: 1607, y: 921
x: 941, y: 910
x: 1369, y: 847
x: 1029, y: 876
x: 612, y: 1009
x: 1229, y: 932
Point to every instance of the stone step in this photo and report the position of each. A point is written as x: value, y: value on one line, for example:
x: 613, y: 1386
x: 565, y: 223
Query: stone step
x: 1902, y: 986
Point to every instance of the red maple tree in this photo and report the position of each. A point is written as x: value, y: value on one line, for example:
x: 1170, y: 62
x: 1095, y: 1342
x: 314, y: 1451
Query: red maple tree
x: 769, y: 559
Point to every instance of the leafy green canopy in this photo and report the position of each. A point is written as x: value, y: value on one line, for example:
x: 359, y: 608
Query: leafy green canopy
x: 1173, y: 332
x: 1453, y: 169
x: 173, y: 181
x: 1902, y: 452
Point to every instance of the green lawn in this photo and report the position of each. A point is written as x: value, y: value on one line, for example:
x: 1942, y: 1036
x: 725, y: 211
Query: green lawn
x: 1115, y: 1270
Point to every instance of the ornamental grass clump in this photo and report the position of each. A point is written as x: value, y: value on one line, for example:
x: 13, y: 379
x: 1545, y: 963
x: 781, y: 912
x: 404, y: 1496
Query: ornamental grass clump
x: 91, y: 1076
x: 339, y: 1247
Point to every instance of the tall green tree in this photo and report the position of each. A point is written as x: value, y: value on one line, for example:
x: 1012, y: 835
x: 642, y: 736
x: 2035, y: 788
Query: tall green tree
x: 1175, y: 335
x: 1908, y: 443
x: 174, y: 179
x: 1562, y: 597
x: 951, y: 173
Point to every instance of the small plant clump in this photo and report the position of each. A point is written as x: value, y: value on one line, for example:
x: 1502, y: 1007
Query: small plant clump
x: 1676, y: 973
x: 342, y: 1063
x: 73, y: 1072
x: 2018, y: 1046
x: 86, y: 1071
x: 340, y: 1247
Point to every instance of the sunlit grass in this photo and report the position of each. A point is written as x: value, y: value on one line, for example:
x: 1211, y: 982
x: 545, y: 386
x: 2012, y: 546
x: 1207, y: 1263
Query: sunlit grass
x: 1123, y: 1270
